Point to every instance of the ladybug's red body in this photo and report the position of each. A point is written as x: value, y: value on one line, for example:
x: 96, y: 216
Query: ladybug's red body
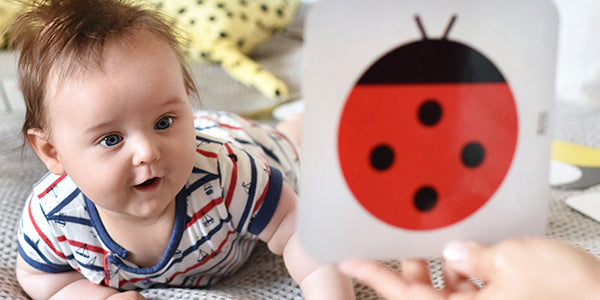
x: 427, y: 134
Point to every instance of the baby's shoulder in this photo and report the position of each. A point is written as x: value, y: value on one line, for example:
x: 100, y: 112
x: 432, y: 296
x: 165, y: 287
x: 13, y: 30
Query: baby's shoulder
x: 220, y: 134
x: 54, y: 192
x: 239, y: 131
x: 225, y: 125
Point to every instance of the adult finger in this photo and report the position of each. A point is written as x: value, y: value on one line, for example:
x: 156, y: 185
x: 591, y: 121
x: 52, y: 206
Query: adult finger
x: 471, y: 259
x: 455, y: 282
x: 416, y: 270
x: 387, y: 282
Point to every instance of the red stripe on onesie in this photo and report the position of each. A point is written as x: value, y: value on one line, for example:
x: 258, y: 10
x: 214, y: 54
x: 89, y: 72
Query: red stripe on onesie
x: 203, y: 211
x: 88, y: 247
x: 218, y: 122
x: 287, y: 140
x: 207, y: 258
x: 106, y: 273
x: 43, y: 236
x: 262, y: 197
x: 206, y: 153
x: 50, y: 187
x: 233, y: 182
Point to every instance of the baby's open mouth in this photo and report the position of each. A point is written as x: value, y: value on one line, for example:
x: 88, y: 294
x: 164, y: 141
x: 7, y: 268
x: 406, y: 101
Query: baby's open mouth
x: 148, y: 183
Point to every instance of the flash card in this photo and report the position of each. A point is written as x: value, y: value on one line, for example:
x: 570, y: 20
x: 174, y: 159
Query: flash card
x: 425, y: 122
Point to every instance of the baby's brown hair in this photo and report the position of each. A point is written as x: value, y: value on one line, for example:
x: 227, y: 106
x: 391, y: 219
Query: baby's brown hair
x: 68, y: 36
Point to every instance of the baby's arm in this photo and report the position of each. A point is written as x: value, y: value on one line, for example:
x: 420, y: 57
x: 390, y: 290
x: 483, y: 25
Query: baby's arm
x: 317, y: 280
x: 66, y: 285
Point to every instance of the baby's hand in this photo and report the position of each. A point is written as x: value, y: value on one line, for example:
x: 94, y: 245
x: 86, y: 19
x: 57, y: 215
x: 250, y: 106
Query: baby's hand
x: 130, y: 295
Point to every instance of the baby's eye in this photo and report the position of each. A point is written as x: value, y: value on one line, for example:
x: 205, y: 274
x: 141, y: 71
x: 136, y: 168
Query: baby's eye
x: 163, y: 123
x: 111, y: 140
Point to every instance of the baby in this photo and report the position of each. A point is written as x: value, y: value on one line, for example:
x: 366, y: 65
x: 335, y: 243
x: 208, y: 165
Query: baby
x: 141, y: 192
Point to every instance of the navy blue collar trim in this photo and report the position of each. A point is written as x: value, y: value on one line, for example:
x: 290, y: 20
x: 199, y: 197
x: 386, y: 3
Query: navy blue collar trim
x: 178, y: 228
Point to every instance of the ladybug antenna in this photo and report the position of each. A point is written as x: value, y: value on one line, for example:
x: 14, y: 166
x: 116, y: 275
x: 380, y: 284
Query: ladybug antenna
x: 421, y: 28
x: 445, y: 37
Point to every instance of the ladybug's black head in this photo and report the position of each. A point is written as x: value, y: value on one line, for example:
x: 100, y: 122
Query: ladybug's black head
x: 432, y: 61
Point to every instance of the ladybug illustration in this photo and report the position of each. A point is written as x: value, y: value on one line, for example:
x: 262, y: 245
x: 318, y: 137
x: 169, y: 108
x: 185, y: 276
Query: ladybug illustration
x: 428, y: 133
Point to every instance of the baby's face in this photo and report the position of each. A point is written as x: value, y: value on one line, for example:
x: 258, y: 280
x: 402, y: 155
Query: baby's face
x: 125, y: 133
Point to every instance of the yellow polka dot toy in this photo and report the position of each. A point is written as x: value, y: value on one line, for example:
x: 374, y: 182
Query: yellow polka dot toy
x: 226, y: 31
x: 217, y: 31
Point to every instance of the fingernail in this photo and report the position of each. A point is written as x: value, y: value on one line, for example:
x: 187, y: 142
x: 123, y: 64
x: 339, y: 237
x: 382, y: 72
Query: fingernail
x: 456, y: 252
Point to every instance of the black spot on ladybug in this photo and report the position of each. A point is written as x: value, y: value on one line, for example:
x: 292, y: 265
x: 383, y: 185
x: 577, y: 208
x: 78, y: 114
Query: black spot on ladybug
x: 382, y: 157
x: 425, y: 198
x: 473, y: 155
x: 430, y: 112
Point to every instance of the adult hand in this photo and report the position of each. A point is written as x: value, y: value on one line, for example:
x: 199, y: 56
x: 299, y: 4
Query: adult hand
x: 392, y: 285
x: 526, y: 269
x: 514, y: 269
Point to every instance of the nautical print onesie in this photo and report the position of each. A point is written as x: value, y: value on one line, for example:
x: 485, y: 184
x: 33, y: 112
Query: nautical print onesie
x: 228, y: 199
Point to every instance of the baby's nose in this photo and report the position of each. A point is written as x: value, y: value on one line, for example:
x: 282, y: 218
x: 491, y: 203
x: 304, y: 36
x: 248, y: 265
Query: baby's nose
x: 145, y: 151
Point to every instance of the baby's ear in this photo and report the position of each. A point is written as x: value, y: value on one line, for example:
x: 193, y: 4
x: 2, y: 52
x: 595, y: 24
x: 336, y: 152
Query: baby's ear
x: 45, y: 150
